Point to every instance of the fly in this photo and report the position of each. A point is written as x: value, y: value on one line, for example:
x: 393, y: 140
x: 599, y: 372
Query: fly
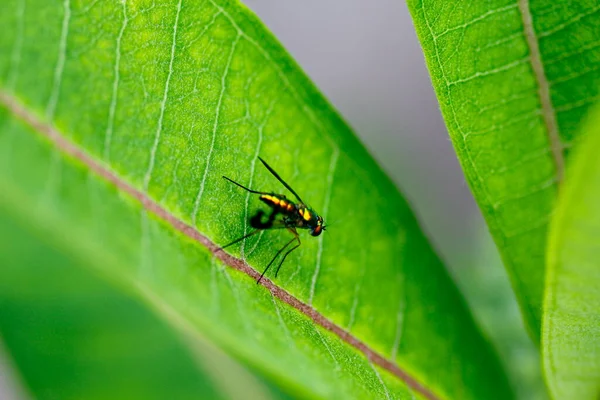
x: 294, y: 215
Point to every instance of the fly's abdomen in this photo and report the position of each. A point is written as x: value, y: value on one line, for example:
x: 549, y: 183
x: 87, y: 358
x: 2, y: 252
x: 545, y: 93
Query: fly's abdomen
x: 278, y: 202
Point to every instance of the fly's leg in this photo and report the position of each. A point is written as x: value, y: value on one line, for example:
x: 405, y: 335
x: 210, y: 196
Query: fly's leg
x: 287, y: 253
x: 275, y: 257
x: 239, y: 239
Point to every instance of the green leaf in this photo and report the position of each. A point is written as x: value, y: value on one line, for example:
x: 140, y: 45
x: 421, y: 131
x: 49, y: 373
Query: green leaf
x: 513, y: 79
x: 74, y: 336
x: 119, y: 119
x: 571, y: 325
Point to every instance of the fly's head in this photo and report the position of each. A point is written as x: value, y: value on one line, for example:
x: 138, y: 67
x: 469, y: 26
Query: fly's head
x: 317, y: 227
x: 310, y: 220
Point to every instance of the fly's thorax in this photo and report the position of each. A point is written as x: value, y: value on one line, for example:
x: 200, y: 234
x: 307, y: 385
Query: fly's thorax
x: 311, y: 220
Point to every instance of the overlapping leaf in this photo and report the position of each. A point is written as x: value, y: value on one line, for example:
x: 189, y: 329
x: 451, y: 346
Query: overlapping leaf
x: 514, y: 78
x: 571, y: 329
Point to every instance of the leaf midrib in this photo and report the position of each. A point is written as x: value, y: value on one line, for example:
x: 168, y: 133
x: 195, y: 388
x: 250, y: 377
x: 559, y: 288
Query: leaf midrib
x: 548, y: 112
x: 20, y: 112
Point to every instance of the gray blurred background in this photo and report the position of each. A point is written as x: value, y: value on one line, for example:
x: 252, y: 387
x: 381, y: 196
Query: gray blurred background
x: 366, y: 59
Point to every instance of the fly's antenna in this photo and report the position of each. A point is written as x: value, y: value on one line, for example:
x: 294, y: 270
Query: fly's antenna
x: 243, y: 187
x: 335, y: 222
x: 276, y: 175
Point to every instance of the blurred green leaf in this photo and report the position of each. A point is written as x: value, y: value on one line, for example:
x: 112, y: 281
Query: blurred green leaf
x: 168, y: 96
x: 513, y: 79
x: 73, y: 336
x: 571, y: 328
x: 484, y: 282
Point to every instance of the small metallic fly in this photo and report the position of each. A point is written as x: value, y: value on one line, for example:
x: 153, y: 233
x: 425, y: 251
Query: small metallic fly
x: 293, y: 216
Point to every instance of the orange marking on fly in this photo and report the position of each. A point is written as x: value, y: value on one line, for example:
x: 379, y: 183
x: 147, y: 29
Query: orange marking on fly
x: 270, y: 199
x: 284, y: 214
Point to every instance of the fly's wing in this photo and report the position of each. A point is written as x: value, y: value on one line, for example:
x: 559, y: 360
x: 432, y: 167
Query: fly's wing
x: 258, y: 225
x: 276, y: 175
x: 273, y: 221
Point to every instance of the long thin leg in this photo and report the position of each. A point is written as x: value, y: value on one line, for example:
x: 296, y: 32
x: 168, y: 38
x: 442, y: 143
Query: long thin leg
x: 259, y: 229
x: 244, y: 187
x: 286, y: 254
x: 240, y: 239
x: 276, y: 255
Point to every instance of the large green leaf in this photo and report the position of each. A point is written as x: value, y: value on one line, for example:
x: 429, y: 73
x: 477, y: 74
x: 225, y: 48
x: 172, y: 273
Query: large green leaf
x: 119, y: 120
x: 513, y: 78
x: 571, y: 328
x: 74, y: 336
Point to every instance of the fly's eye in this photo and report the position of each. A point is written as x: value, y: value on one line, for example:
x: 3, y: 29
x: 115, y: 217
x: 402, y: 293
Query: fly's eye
x: 316, y: 231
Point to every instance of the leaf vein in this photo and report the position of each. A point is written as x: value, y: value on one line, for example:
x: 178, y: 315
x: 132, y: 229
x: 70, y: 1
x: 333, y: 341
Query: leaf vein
x: 330, y: 174
x: 580, y: 51
x: 399, y: 324
x: 337, y: 365
x: 238, y: 300
x: 113, y: 100
x: 163, y: 103
x: 571, y: 21
x: 531, y: 116
x: 481, y: 74
x: 575, y: 75
x: 252, y: 171
x: 60, y: 62
x: 284, y: 326
x: 476, y: 19
x: 499, y: 42
x: 383, y: 385
x: 577, y: 104
x: 529, y: 192
x: 15, y: 58
x: 214, y: 130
